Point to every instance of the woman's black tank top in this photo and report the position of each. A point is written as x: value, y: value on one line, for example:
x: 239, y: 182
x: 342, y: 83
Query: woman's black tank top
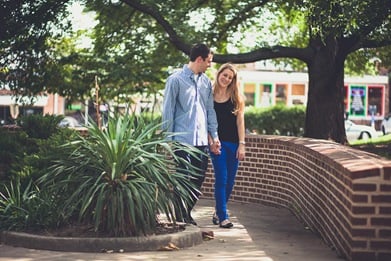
x: 227, y: 129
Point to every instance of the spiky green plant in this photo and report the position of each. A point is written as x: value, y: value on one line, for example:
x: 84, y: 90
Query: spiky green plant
x: 26, y: 208
x: 120, y: 178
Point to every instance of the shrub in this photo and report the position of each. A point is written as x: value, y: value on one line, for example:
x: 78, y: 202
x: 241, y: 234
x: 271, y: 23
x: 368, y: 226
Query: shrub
x: 12, y: 148
x: 27, y: 151
x: 24, y: 159
x: 38, y: 126
x: 277, y: 120
x: 40, y: 154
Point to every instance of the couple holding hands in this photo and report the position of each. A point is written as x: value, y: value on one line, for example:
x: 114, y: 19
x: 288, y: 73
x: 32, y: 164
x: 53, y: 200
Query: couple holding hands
x: 209, y: 117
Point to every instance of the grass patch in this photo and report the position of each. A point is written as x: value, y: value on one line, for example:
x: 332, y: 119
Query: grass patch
x: 381, y: 140
x: 380, y: 146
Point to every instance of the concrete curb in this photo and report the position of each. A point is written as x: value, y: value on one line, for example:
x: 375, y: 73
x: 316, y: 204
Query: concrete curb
x: 191, y: 236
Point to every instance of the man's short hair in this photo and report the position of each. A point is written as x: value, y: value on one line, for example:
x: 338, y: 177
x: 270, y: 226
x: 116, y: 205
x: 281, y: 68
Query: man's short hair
x: 199, y: 49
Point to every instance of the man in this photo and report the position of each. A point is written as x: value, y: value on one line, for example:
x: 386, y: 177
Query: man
x: 188, y: 111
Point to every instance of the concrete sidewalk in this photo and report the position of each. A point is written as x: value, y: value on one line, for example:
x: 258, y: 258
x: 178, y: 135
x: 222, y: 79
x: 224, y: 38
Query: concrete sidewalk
x: 260, y: 233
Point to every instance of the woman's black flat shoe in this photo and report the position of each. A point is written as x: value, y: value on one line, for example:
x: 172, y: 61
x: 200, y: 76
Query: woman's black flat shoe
x: 215, y: 219
x: 226, y: 224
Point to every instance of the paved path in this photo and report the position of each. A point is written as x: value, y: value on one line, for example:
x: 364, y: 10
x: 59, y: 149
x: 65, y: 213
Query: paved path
x: 260, y: 233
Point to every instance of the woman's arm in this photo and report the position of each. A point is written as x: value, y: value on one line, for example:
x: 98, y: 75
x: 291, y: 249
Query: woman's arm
x: 241, y: 133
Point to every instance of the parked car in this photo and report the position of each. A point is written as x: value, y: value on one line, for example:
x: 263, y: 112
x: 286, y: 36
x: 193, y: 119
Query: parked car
x: 386, y: 124
x: 71, y: 122
x: 359, y: 132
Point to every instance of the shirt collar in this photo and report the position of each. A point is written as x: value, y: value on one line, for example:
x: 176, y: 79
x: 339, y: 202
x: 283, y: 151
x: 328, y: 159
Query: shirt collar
x: 189, y: 72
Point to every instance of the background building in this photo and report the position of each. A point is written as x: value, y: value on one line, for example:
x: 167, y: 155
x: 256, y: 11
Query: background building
x: 366, y: 98
x: 44, y: 104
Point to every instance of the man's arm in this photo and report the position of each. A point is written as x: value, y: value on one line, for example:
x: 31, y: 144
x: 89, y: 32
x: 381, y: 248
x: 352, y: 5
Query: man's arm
x: 169, y: 99
x: 212, y: 122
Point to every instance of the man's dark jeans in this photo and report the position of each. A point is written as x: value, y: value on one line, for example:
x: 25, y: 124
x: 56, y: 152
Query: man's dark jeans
x: 200, y: 162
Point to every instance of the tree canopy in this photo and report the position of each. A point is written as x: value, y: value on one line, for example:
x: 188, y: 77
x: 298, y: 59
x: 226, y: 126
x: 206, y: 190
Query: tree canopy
x: 137, y: 43
x: 322, y: 34
x: 25, y: 53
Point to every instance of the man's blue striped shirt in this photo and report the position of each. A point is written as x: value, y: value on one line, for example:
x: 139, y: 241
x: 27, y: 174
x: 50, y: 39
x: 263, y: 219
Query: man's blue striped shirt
x: 188, y: 110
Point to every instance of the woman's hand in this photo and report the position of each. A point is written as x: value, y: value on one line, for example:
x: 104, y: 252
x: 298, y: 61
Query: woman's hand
x: 241, y: 152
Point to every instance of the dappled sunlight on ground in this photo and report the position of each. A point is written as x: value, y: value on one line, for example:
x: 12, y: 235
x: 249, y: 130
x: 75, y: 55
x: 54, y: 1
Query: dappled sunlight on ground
x: 260, y: 233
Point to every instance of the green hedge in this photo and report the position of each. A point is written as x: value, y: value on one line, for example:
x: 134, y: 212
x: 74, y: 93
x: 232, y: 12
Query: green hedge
x: 277, y: 120
x: 28, y: 149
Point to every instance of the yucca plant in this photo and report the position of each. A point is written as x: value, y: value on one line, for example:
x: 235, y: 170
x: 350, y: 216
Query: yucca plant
x: 120, y: 178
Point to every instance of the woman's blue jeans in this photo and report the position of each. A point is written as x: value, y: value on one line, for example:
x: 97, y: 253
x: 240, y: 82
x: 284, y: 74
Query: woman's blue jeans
x: 225, y: 167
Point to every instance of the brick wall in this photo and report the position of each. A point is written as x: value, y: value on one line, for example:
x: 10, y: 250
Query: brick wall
x: 342, y: 193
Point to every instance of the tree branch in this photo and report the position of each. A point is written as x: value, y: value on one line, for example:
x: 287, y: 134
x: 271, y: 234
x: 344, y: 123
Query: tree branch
x: 304, y: 54
x: 172, y: 35
x: 353, y: 44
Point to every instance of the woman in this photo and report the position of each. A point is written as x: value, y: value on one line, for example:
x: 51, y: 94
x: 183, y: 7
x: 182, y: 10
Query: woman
x: 229, y: 107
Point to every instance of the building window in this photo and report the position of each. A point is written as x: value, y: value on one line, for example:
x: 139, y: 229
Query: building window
x: 357, y: 100
x: 5, y: 115
x: 249, y: 93
x: 266, y: 97
x: 375, y: 100
x: 298, y: 94
x: 281, y: 90
x: 298, y: 89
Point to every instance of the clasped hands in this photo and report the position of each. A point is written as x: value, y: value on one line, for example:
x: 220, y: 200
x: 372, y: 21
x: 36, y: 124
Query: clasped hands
x: 215, y: 147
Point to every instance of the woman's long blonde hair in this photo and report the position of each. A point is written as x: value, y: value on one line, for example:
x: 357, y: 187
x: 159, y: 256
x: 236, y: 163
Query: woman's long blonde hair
x: 233, y: 87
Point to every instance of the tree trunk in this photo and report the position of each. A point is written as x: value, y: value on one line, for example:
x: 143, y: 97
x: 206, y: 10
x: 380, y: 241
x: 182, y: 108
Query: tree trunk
x: 325, y: 111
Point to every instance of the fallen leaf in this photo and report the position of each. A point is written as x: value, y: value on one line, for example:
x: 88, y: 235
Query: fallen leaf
x: 169, y: 247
